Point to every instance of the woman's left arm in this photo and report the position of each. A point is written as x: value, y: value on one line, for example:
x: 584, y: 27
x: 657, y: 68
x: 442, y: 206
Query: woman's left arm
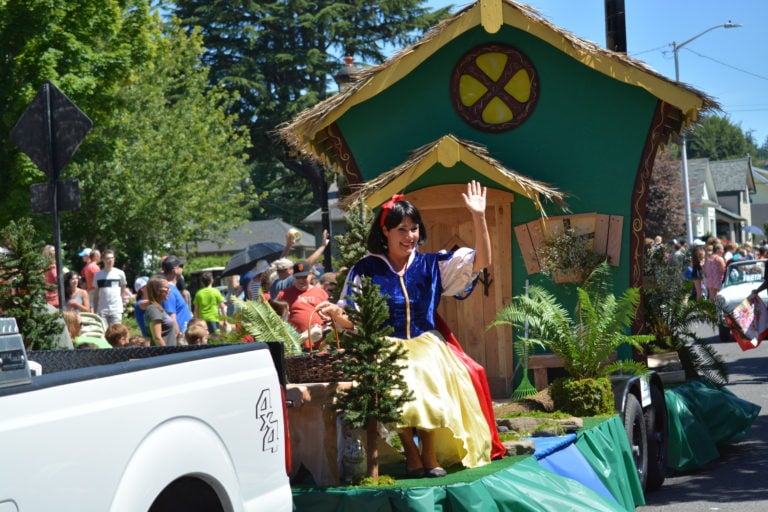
x: 475, y: 201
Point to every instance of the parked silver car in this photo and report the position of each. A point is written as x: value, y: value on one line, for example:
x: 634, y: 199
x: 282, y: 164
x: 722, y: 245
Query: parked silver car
x: 741, y: 278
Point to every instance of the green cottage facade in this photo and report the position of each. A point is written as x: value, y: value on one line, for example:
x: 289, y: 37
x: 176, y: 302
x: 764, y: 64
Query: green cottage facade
x: 499, y: 94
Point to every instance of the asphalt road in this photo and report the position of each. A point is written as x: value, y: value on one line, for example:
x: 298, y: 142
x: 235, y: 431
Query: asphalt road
x: 738, y: 481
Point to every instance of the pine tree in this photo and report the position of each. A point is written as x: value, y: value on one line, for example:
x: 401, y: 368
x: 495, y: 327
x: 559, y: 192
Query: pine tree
x: 374, y: 363
x: 22, y: 287
x: 351, y: 244
x: 280, y: 58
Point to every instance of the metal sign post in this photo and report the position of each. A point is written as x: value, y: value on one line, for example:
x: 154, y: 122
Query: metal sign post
x: 49, y: 132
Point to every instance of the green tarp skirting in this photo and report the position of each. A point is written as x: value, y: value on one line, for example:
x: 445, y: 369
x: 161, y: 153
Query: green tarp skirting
x: 524, y: 486
x: 701, y: 417
x: 608, y: 452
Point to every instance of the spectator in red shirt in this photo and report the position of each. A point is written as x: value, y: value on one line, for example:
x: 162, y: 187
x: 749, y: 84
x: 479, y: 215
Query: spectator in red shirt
x: 94, y: 257
x: 302, y: 300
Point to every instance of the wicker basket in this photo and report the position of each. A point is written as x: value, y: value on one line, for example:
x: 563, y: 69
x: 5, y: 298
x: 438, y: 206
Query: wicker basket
x: 316, y: 366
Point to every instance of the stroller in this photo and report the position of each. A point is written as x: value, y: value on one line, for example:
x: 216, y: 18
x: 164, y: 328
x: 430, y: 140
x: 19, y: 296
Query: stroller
x: 92, y: 325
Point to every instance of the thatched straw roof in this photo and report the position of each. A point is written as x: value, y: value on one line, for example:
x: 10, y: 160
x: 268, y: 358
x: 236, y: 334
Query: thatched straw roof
x: 448, y: 151
x: 491, y: 14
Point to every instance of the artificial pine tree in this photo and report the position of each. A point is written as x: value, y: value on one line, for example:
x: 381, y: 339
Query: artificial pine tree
x: 374, y: 362
x: 351, y: 244
x: 23, y: 287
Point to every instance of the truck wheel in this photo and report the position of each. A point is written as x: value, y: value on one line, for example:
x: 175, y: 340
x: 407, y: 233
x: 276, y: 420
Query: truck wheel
x: 724, y: 332
x: 634, y: 424
x: 187, y: 494
x: 658, y: 431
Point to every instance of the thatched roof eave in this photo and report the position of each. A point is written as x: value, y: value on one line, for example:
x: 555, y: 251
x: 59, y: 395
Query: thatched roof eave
x: 447, y: 152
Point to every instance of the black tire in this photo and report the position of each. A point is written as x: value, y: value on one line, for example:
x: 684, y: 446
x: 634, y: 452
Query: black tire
x: 724, y: 332
x: 634, y: 425
x: 187, y: 494
x: 658, y: 432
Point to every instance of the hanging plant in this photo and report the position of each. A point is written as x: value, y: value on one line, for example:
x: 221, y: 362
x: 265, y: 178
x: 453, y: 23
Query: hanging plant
x: 568, y: 257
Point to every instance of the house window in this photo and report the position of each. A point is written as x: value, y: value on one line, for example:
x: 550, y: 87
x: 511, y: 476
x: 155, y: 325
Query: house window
x: 494, y: 88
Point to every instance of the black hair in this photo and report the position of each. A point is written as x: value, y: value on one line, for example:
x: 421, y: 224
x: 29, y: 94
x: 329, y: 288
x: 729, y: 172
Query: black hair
x: 377, y: 242
x: 68, y: 277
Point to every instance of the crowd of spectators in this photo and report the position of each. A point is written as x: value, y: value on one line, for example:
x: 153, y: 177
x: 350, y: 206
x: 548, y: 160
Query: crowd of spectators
x: 706, y: 261
x: 97, y: 299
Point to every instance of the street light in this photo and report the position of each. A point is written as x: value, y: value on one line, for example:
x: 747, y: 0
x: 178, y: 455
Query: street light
x: 683, y: 139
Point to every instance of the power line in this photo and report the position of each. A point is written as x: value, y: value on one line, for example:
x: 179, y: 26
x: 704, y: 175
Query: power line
x: 731, y: 66
x: 634, y: 54
x: 761, y: 77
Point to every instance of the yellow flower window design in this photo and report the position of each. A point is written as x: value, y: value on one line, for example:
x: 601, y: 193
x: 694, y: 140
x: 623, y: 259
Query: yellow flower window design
x: 494, y: 88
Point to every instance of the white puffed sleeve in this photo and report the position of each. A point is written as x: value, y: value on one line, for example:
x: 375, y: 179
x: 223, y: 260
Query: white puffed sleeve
x: 456, y: 272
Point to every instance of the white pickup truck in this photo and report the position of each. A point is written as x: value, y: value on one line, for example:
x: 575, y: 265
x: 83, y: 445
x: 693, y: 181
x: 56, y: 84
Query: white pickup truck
x: 142, y: 429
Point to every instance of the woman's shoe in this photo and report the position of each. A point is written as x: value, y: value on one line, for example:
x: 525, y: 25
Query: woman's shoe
x: 436, y: 472
x: 415, y: 473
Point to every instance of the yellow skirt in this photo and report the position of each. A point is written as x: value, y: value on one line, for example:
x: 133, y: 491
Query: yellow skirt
x: 444, y: 402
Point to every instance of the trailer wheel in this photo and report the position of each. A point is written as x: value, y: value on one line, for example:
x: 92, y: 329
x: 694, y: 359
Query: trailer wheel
x: 634, y: 424
x: 658, y: 431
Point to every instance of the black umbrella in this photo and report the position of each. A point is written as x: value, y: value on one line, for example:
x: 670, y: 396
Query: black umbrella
x: 246, y: 259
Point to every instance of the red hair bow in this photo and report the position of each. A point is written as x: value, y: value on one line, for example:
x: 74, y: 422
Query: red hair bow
x: 387, y: 207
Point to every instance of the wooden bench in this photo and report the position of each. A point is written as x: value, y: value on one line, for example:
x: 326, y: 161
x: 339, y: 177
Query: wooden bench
x: 540, y: 364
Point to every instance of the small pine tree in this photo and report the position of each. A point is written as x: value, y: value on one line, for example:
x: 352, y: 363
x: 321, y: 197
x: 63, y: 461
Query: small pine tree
x: 351, y: 244
x: 22, y: 287
x: 374, y: 362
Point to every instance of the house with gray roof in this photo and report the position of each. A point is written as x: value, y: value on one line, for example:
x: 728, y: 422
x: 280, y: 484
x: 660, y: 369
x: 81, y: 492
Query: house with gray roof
x: 272, y: 230
x: 760, y: 199
x: 720, y: 197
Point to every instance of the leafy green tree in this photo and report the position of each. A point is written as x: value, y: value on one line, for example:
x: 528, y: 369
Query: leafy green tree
x: 86, y: 47
x: 664, y: 209
x: 280, y: 58
x: 374, y: 362
x: 174, y: 171
x: 716, y: 138
x: 22, y: 286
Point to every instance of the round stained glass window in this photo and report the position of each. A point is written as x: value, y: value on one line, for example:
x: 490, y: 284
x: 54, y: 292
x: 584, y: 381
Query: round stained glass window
x: 494, y: 88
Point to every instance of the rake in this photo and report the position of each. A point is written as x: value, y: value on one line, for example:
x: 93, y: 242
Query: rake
x: 525, y: 388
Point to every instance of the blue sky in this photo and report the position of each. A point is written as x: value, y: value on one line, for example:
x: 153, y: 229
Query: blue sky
x: 730, y: 65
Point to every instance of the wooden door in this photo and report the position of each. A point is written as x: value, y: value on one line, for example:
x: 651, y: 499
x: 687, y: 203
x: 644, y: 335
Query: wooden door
x: 449, y: 225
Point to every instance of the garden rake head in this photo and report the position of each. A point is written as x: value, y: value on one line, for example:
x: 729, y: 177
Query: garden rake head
x: 524, y: 389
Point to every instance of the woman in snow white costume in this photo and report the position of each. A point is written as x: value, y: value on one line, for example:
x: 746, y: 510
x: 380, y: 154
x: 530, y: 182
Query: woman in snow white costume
x: 452, y: 408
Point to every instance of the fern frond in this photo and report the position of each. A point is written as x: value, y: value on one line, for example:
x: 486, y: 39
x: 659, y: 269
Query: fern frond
x: 708, y: 364
x: 257, y: 318
x: 626, y: 366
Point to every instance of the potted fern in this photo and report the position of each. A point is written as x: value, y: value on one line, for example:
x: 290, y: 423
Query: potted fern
x: 585, y: 341
x: 671, y: 318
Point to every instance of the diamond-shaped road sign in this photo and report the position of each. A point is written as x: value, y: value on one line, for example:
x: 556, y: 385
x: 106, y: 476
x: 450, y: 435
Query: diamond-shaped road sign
x: 50, y: 130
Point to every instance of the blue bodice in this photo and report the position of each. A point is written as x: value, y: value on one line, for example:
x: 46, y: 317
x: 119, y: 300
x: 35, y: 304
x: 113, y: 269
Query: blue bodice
x: 414, y: 297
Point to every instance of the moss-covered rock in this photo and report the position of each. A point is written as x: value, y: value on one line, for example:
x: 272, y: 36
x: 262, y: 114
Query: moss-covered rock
x: 584, y: 397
